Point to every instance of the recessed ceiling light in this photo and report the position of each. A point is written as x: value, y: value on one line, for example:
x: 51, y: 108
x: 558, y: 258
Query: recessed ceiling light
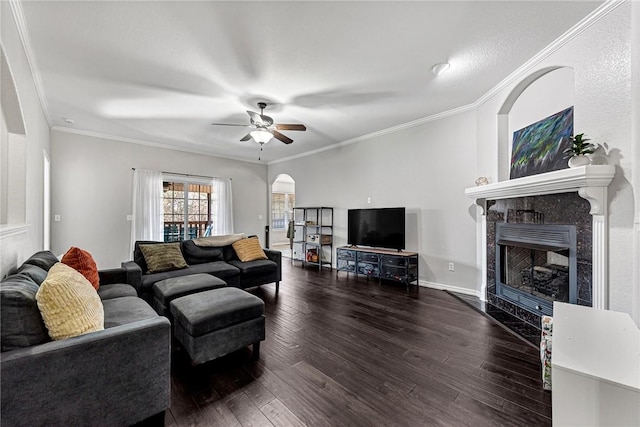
x: 68, y: 121
x: 440, y: 68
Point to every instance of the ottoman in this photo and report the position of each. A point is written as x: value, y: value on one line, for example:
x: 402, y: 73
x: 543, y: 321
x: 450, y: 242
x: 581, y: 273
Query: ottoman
x: 165, y: 291
x: 213, y: 323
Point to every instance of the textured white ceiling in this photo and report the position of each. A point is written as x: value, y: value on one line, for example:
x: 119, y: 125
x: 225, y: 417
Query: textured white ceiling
x: 162, y: 71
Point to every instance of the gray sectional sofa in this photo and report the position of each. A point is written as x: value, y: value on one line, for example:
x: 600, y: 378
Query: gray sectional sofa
x: 118, y: 376
x: 219, y: 261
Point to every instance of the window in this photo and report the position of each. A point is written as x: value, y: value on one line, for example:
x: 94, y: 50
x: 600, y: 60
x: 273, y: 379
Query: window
x: 187, y: 210
x: 281, y: 209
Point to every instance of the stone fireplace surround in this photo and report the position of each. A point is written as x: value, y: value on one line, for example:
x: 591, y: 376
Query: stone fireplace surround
x: 575, y: 196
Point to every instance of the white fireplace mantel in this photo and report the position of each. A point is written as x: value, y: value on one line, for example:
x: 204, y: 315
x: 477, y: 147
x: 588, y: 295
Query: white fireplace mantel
x: 591, y: 183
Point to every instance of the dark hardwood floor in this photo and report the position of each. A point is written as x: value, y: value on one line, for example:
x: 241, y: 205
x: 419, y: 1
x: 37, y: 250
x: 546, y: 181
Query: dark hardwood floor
x: 351, y: 353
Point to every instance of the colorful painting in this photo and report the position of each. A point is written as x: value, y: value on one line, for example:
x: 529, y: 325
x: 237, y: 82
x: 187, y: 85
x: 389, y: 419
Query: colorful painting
x: 539, y: 147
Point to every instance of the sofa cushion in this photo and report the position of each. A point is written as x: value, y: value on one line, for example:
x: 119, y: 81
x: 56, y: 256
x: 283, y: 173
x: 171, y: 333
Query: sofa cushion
x: 22, y: 324
x: 249, y: 249
x: 195, y: 254
x: 229, y: 253
x: 163, y: 257
x: 116, y: 290
x: 250, y: 268
x: 217, y: 268
x: 124, y: 310
x: 35, y: 273
x: 82, y: 261
x: 43, y: 259
x: 69, y: 305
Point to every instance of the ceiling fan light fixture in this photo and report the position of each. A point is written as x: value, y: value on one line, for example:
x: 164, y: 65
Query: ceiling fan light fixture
x: 261, y: 136
x: 440, y: 68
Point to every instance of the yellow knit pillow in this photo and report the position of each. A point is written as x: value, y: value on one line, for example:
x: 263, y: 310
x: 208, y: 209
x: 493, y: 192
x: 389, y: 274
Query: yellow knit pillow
x: 248, y: 249
x: 69, y: 305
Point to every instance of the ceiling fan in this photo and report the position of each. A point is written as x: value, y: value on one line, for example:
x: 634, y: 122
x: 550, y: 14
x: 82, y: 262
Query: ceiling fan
x: 264, y: 128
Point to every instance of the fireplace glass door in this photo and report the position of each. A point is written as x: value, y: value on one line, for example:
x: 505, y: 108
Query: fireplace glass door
x: 541, y: 273
x: 536, y: 265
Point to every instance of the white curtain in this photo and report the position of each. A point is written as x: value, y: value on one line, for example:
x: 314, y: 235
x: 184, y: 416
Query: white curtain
x: 224, y: 208
x: 148, y: 216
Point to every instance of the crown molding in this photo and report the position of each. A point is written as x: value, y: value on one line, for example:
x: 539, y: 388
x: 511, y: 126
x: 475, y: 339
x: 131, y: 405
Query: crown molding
x: 148, y: 143
x: 18, y: 17
x: 565, y: 38
x: 517, y: 75
x: 381, y: 132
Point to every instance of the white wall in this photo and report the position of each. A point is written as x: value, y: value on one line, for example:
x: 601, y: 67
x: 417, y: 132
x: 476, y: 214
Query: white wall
x: 15, y: 249
x: 601, y: 60
x: 92, y: 191
x: 635, y: 144
x: 425, y: 169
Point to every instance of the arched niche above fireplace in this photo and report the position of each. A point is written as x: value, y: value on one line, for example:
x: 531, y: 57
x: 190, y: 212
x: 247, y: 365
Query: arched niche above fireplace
x: 539, y: 95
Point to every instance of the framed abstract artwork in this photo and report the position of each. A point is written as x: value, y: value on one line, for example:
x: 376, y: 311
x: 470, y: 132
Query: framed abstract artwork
x: 539, y: 147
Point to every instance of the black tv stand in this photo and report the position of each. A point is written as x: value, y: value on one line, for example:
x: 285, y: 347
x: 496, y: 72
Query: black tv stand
x: 387, y: 264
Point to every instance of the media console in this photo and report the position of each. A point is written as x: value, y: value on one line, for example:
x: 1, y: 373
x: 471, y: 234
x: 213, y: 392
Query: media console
x: 378, y: 263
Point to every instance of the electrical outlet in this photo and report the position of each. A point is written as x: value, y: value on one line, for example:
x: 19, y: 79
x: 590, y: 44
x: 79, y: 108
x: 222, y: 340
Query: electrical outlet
x: 56, y: 218
x: 129, y: 217
x: 452, y: 267
x: 369, y: 200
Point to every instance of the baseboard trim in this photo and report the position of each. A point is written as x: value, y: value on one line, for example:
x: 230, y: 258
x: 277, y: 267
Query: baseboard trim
x: 450, y: 288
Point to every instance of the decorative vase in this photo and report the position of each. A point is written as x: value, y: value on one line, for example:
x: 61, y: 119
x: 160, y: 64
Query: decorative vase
x: 579, y: 160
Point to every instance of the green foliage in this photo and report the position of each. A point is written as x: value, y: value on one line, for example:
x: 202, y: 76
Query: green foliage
x: 579, y: 145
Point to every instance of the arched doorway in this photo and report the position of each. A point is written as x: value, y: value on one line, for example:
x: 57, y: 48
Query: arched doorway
x: 283, y: 197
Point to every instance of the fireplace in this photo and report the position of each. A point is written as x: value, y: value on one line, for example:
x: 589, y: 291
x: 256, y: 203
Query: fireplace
x: 536, y: 265
x: 572, y: 205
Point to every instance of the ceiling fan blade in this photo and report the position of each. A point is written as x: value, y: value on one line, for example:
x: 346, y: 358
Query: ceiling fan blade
x: 268, y: 121
x: 257, y: 119
x: 281, y: 137
x: 246, y: 137
x: 228, y: 124
x: 290, y: 127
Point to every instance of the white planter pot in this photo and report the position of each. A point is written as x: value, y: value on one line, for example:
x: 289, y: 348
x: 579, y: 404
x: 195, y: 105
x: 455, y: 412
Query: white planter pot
x: 580, y: 160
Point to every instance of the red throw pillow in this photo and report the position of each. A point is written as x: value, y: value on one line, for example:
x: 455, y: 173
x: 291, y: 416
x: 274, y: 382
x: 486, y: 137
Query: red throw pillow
x: 83, y: 262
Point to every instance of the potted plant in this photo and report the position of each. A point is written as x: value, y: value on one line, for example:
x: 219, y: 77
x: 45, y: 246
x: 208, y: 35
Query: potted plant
x: 578, y: 150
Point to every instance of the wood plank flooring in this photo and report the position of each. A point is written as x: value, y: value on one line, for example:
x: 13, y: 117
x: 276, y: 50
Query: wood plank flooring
x: 341, y: 352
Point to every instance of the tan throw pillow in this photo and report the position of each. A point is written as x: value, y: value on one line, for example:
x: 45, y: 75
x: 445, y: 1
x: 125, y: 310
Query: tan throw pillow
x: 249, y: 249
x: 163, y: 257
x: 69, y: 305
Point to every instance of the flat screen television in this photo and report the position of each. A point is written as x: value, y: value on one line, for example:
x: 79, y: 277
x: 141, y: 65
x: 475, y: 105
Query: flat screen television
x: 379, y: 228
